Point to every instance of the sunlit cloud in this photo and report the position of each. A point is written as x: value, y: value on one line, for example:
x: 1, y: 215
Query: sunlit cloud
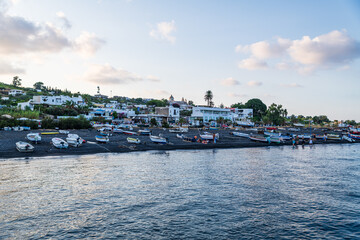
x: 7, y: 69
x: 229, y: 82
x: 164, y: 31
x: 306, y: 55
x: 237, y: 95
x: 87, y: 44
x: 292, y: 85
x: 254, y: 84
x: 64, y: 19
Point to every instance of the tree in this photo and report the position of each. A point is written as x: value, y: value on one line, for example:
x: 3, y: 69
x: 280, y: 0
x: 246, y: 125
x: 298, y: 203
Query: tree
x: 275, y: 114
x: 258, y: 107
x: 157, y: 103
x: 16, y: 81
x: 185, y: 113
x: 38, y: 85
x: 208, y: 97
x: 239, y: 105
x: 153, y: 122
x: 191, y: 103
x: 114, y: 114
x: 221, y: 105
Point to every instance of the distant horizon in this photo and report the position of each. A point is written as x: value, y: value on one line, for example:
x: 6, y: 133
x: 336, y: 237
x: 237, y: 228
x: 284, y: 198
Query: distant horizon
x: 270, y: 50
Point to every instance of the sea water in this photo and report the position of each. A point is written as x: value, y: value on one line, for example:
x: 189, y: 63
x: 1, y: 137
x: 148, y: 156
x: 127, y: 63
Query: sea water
x: 249, y: 193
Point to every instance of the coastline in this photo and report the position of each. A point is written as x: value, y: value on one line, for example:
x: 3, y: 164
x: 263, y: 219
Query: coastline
x: 118, y: 143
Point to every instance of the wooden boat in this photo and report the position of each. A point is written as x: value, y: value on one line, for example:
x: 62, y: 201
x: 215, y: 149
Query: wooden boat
x: 274, y: 139
x: 259, y: 139
x: 209, y: 136
x: 24, y: 147
x: 240, y: 134
x: 349, y: 139
x: 133, y: 140
x: 102, y: 139
x: 34, y: 137
x: 354, y: 136
x: 49, y: 133
x: 74, y: 140
x: 158, y: 139
x: 144, y: 132
x: 59, y: 143
x: 129, y: 132
x: 333, y: 137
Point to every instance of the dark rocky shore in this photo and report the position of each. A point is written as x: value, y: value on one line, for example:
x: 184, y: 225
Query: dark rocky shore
x: 119, y: 144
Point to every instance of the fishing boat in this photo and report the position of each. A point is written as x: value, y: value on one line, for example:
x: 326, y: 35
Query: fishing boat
x: 74, y: 140
x: 320, y: 137
x: 209, y: 136
x: 349, y: 139
x: 240, y: 134
x: 102, y: 139
x: 18, y: 128
x: 354, y: 136
x: 34, y: 137
x: 158, y: 139
x: 144, y: 132
x: 64, y: 132
x: 24, y: 147
x: 49, y: 133
x: 274, y: 139
x: 179, y: 130
x: 302, y: 136
x: 133, y: 140
x: 59, y: 143
x: 180, y: 136
x: 333, y: 137
x: 118, y: 130
x: 129, y: 132
x: 259, y: 138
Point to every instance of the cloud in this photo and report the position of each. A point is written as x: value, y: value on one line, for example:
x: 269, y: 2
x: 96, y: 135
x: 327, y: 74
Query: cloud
x: 87, y: 44
x: 229, y: 82
x: 109, y: 75
x: 252, y: 64
x: 152, y: 78
x: 292, y: 85
x: 6, y: 69
x: 163, y: 31
x: 254, y: 84
x: 306, y: 55
x: 20, y: 36
x: 66, y: 21
x: 237, y: 95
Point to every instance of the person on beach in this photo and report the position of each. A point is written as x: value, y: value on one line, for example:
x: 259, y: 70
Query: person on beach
x: 214, y: 138
x: 293, y: 143
x: 310, y: 142
x: 303, y: 142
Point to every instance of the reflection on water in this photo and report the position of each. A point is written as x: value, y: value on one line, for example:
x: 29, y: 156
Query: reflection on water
x: 275, y: 192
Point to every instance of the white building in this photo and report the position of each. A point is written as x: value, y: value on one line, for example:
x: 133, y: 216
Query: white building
x: 5, y: 98
x: 24, y: 105
x: 242, y: 114
x: 14, y: 92
x: 57, y: 100
x: 207, y: 114
x: 171, y: 113
x: 107, y: 113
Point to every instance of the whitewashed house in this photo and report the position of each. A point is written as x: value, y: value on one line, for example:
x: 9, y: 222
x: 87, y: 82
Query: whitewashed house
x: 14, y: 92
x: 207, y: 114
x: 170, y: 113
x: 24, y: 105
x: 57, y: 100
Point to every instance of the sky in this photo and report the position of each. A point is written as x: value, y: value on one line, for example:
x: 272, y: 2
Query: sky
x: 301, y: 54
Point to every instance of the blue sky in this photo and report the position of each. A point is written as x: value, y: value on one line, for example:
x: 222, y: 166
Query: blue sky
x: 301, y: 54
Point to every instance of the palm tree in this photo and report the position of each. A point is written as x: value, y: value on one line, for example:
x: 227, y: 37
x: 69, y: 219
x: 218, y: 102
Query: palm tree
x: 208, y: 97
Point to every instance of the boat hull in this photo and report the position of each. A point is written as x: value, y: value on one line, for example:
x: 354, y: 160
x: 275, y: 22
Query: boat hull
x: 24, y: 147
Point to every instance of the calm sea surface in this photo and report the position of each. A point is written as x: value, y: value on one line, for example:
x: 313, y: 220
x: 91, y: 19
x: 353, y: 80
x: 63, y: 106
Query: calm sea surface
x: 258, y: 193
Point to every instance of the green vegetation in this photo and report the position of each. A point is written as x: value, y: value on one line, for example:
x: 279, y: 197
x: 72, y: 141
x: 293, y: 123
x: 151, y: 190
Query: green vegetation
x: 15, y: 113
x: 158, y: 103
x: 259, y: 108
x: 208, y: 98
x: 275, y: 115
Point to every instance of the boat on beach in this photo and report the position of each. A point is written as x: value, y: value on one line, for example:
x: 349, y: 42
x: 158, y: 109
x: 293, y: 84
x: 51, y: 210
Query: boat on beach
x: 240, y: 134
x: 349, y: 139
x: 259, y: 138
x: 102, y: 139
x: 24, y: 147
x: 59, y: 143
x: 64, y: 131
x: 354, y: 136
x: 34, y: 137
x: 209, y: 136
x: 144, y: 132
x: 333, y: 137
x: 158, y: 139
x: 129, y: 133
x: 179, y: 130
x: 49, y: 133
x: 133, y: 140
x: 74, y: 140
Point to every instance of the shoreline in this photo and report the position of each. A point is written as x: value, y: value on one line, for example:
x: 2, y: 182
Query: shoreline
x: 118, y: 144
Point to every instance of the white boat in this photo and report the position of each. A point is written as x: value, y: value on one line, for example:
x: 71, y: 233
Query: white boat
x: 74, y: 140
x: 133, y: 140
x: 209, y: 136
x: 102, y: 139
x: 259, y: 139
x: 240, y: 134
x: 274, y: 139
x: 34, y: 137
x: 333, y: 137
x: 24, y: 147
x: 179, y: 130
x: 349, y: 139
x: 302, y: 136
x: 144, y: 132
x: 63, y: 132
x: 18, y: 128
x: 294, y: 129
x: 59, y: 143
x: 354, y: 136
x: 129, y: 132
x: 158, y: 139
x: 180, y: 136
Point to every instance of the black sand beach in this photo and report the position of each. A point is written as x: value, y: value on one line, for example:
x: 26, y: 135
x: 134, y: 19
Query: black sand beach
x: 119, y: 144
